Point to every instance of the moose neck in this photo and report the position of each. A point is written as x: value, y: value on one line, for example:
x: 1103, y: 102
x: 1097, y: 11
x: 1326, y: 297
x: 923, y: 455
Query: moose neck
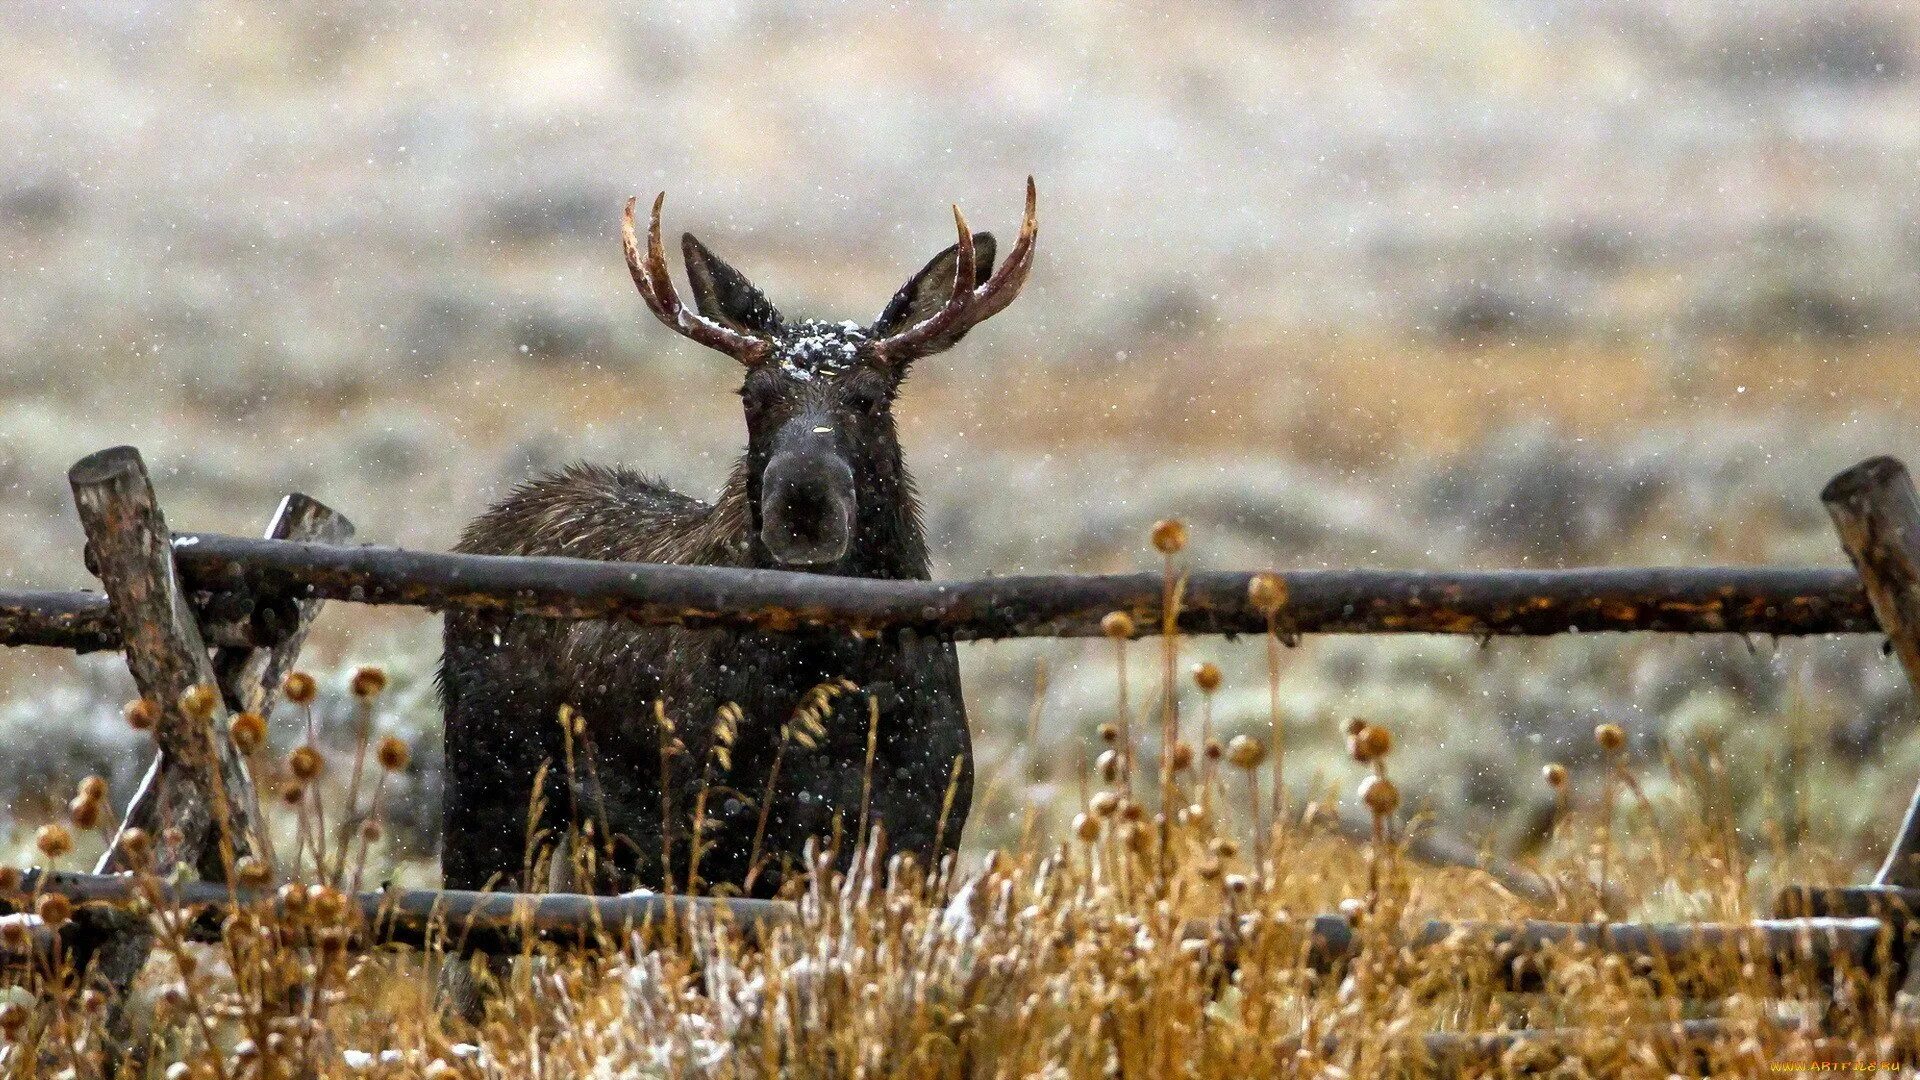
x: 887, y: 538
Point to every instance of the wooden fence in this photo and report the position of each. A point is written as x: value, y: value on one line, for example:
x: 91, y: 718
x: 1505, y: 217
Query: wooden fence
x: 202, y: 611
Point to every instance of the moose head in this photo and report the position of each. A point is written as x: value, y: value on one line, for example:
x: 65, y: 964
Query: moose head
x: 823, y: 470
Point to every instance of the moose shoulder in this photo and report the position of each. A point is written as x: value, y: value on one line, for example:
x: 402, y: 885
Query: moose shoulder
x: 660, y: 757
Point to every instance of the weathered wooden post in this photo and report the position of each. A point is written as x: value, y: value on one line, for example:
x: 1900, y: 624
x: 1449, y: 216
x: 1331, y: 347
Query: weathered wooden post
x: 199, y: 785
x: 1877, y: 512
x: 250, y: 678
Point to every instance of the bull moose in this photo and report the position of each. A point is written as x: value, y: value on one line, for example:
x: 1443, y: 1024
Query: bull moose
x: 709, y: 758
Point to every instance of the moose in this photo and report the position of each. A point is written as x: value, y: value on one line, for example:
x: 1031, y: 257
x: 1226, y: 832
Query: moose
x: 709, y: 759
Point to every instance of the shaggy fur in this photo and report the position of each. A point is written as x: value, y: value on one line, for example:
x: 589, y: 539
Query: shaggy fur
x: 506, y: 677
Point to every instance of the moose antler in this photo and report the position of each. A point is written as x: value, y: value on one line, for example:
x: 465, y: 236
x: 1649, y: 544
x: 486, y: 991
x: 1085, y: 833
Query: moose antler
x: 655, y: 282
x: 968, y: 306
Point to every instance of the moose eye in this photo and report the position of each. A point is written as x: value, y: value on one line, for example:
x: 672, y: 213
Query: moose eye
x: 867, y: 400
x: 756, y: 399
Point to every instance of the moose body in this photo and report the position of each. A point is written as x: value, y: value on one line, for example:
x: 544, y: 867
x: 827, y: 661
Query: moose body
x: 657, y: 742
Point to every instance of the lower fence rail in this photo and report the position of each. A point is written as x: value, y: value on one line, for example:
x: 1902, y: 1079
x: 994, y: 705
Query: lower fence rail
x: 1820, y: 949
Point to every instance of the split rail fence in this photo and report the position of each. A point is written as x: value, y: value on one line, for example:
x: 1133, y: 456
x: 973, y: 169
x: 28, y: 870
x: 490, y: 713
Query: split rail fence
x: 200, y: 610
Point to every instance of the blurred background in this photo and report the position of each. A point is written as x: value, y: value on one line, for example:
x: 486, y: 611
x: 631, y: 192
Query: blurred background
x: 1475, y: 283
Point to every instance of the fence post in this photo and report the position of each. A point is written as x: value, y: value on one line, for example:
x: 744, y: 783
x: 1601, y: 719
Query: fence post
x: 1877, y: 514
x: 198, y: 788
x: 250, y: 678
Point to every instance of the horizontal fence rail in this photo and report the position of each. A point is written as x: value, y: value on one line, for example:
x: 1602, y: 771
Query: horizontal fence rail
x: 1747, y: 600
x: 1820, y: 948
x: 77, y: 621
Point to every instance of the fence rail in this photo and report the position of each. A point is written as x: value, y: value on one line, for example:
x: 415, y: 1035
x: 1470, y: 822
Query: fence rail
x: 1822, y: 948
x: 1490, y: 603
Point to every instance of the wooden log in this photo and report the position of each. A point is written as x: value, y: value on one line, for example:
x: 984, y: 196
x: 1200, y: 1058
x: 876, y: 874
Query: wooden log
x: 1877, y: 514
x: 1464, y: 1053
x: 1433, y: 847
x: 80, y: 622
x: 1820, y: 947
x: 1752, y: 600
x: 487, y: 920
x: 198, y: 791
x: 250, y: 677
x: 201, y: 787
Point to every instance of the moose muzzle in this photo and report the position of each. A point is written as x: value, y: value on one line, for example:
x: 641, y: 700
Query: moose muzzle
x: 807, y: 505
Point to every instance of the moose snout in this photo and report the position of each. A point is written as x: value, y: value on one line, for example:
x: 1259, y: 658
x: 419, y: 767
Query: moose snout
x: 806, y: 508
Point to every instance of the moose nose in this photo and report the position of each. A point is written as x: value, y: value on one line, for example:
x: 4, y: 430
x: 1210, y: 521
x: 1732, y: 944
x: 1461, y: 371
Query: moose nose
x: 806, y: 508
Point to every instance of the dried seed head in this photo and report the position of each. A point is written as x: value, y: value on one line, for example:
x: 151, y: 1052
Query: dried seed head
x: 1354, y: 910
x: 293, y: 899
x: 53, y: 840
x: 173, y: 997
x: 393, y: 753
x: 14, y: 936
x: 13, y: 1019
x: 1103, y: 804
x: 370, y: 831
x: 1108, y: 764
x: 1214, y: 750
x: 1206, y: 676
x: 199, y: 700
x: 1267, y: 593
x: 1109, y: 733
x: 293, y: 794
x: 1354, y: 725
x: 54, y: 909
x: 1246, y: 752
x: 173, y: 837
x: 1169, y: 536
x: 1182, y: 757
x: 1223, y: 847
x: 1132, y: 811
x: 332, y: 942
x: 1555, y: 774
x: 1209, y: 869
x: 9, y: 879
x: 94, y: 789
x: 141, y: 715
x: 305, y: 763
x: 1380, y: 795
x: 1086, y: 827
x: 1371, y: 744
x: 251, y: 872
x: 1117, y: 625
x: 329, y: 905
x: 1135, y: 836
x: 300, y: 688
x: 1610, y: 737
x: 136, y: 842
x: 1238, y: 884
x: 85, y: 813
x: 94, y: 1001
x: 368, y: 682
x: 247, y: 730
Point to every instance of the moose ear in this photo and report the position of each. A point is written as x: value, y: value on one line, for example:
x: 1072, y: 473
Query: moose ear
x: 928, y: 291
x: 724, y: 294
